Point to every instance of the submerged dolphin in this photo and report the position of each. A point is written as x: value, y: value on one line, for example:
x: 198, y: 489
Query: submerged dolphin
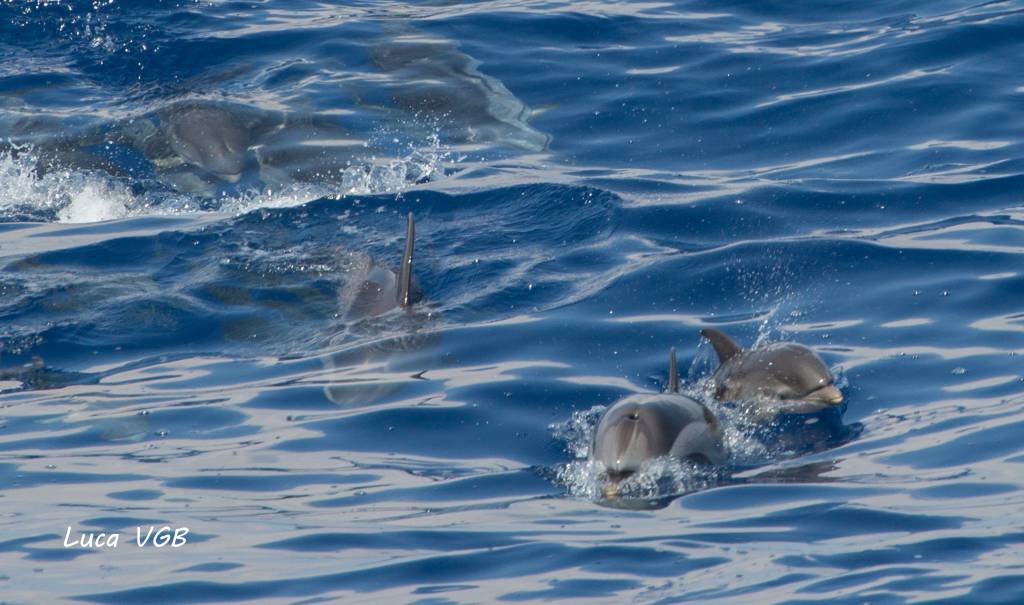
x: 430, y: 77
x: 372, y: 290
x: 209, y: 137
x: 782, y: 376
x: 197, y: 145
x: 639, y: 428
x: 375, y: 289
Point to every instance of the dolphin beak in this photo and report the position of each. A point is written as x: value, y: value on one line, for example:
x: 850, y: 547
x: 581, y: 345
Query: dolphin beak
x: 826, y: 394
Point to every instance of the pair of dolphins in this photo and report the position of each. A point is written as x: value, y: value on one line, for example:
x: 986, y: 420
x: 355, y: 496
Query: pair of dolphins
x: 781, y: 377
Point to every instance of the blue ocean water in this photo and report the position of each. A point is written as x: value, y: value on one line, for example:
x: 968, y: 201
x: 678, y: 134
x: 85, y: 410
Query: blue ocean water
x: 189, y: 192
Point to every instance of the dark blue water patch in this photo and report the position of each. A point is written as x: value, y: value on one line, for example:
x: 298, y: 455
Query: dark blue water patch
x: 210, y: 567
x: 999, y: 590
x: 13, y: 477
x: 963, y: 490
x: 443, y: 540
x: 111, y: 524
x: 468, y: 429
x: 200, y: 423
x: 999, y: 441
x: 940, y: 550
x: 293, y: 398
x: 36, y: 548
x: 270, y: 288
x: 506, y: 485
x: 265, y: 482
x: 136, y: 495
x: 575, y: 589
x: 739, y: 497
x: 825, y: 521
x: 847, y: 581
x: 513, y: 561
x: 790, y: 578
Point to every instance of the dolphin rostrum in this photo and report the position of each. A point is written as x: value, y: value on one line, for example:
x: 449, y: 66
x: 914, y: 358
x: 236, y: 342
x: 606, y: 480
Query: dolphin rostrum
x: 789, y: 376
x: 640, y: 428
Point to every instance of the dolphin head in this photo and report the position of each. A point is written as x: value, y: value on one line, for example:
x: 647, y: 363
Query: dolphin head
x: 782, y: 372
x: 208, y: 136
x: 796, y: 373
x: 640, y: 428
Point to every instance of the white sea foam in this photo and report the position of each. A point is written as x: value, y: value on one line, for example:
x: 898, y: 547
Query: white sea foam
x: 72, y: 197
x: 657, y: 478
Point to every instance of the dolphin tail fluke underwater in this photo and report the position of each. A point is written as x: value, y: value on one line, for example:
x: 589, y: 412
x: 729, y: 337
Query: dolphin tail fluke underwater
x: 725, y: 347
x: 673, y: 372
x: 405, y: 274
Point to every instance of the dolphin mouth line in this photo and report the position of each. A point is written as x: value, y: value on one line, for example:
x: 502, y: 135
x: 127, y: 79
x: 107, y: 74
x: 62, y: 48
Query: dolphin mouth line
x: 827, y: 394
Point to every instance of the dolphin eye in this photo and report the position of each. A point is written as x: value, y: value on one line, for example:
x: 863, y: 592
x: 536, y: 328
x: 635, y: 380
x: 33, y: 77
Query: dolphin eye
x: 634, y: 416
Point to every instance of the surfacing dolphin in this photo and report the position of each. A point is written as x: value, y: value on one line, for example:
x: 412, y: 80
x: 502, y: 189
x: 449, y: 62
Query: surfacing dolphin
x: 372, y: 291
x: 640, y: 428
x: 783, y: 377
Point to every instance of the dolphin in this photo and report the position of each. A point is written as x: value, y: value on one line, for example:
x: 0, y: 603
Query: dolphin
x: 371, y: 293
x: 639, y: 428
x: 430, y: 77
x: 198, y: 145
x: 208, y: 136
x: 781, y: 376
x: 375, y: 289
x: 194, y: 146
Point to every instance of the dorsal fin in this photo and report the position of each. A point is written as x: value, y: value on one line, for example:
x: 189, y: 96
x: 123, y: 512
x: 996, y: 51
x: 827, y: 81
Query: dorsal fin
x: 725, y: 347
x: 405, y: 274
x: 673, y: 372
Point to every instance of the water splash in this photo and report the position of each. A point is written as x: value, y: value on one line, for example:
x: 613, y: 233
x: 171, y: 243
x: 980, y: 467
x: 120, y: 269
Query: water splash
x: 63, y: 195
x: 657, y: 478
x: 67, y: 195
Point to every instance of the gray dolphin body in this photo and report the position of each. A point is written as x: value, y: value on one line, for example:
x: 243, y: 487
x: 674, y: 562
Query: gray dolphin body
x: 782, y: 376
x: 430, y: 77
x: 640, y: 428
x: 374, y: 289
x: 210, y: 137
x: 195, y: 145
